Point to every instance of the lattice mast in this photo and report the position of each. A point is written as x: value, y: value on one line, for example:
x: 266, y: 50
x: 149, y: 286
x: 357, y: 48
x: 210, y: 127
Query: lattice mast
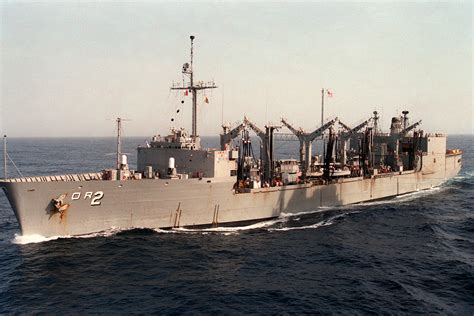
x: 193, y: 88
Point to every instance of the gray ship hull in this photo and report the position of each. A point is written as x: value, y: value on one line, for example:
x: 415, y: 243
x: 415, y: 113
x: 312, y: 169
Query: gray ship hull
x: 159, y: 203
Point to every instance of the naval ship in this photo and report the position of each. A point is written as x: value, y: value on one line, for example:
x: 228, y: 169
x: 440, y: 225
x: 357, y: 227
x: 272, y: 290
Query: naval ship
x: 177, y: 183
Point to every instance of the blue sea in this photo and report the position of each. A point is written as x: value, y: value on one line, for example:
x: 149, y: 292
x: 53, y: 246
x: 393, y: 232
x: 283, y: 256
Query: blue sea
x: 407, y: 255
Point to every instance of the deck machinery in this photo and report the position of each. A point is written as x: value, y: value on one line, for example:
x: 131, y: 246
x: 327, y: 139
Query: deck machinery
x: 350, y: 152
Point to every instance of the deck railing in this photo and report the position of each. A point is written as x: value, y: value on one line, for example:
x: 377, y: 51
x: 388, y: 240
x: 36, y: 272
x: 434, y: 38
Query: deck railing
x: 65, y: 177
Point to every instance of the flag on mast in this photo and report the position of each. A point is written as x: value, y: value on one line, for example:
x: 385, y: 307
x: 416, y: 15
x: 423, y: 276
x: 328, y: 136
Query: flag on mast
x: 329, y: 93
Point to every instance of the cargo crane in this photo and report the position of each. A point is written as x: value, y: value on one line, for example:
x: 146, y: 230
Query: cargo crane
x: 305, y: 141
x: 327, y: 158
x: 345, y: 136
x: 396, y: 128
x: 416, y: 142
x: 410, y: 128
x: 346, y: 127
x: 376, y: 118
x: 248, y: 168
x: 397, y: 133
x: 365, y: 152
x: 228, y: 135
x: 266, y: 152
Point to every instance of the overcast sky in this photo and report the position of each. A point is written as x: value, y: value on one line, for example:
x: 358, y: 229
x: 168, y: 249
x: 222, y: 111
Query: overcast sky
x: 66, y: 68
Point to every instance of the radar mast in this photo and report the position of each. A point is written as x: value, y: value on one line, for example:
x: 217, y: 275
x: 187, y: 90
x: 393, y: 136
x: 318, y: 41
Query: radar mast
x: 193, y: 87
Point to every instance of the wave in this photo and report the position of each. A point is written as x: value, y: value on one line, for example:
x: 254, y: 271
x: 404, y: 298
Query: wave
x: 36, y: 238
x: 264, y: 225
x: 323, y: 223
x: 467, y: 175
x: 32, y: 239
x: 317, y: 210
x: 224, y: 230
x: 402, y: 198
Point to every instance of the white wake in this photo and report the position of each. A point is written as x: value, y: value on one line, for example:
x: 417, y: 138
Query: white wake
x: 36, y: 238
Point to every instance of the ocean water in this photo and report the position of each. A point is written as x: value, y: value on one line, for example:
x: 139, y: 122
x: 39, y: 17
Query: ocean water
x: 411, y: 254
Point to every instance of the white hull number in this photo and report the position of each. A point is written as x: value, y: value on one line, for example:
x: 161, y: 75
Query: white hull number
x: 94, y: 197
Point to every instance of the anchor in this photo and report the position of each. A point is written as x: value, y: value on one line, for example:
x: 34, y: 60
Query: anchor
x: 59, y: 205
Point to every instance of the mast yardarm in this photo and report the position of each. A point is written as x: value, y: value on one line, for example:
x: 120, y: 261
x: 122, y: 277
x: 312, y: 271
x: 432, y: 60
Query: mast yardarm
x: 193, y: 87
